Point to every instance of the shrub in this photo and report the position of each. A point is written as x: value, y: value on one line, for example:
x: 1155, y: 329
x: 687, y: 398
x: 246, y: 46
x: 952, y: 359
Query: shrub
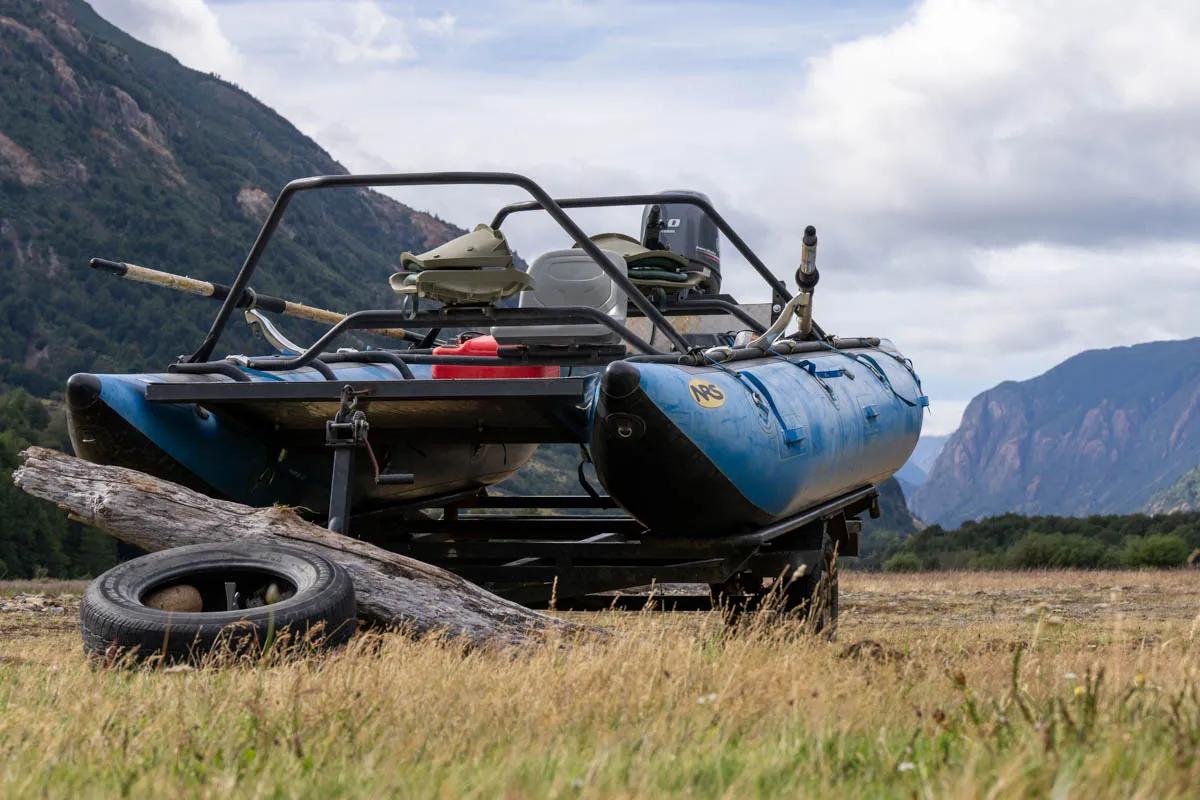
x: 1058, y: 550
x: 1155, y: 550
x: 903, y: 562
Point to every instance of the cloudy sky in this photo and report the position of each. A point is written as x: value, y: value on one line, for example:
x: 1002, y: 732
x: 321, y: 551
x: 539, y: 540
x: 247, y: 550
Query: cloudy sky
x: 997, y: 185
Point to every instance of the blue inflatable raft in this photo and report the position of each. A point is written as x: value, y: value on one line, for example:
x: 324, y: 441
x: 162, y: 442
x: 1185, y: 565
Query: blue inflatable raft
x: 704, y: 419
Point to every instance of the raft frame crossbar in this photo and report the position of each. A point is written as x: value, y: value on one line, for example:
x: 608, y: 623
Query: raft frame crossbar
x: 657, y: 316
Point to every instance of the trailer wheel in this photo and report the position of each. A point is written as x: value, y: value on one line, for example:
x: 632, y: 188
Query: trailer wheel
x: 816, y: 595
x: 238, y: 596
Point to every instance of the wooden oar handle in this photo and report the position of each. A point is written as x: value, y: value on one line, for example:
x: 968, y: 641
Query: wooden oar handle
x: 219, y: 291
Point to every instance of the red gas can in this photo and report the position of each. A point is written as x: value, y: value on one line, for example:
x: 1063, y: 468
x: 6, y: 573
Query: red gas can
x: 484, y: 346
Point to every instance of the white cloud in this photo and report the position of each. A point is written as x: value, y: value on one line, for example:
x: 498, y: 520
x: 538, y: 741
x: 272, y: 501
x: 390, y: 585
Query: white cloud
x: 987, y: 123
x: 943, y: 418
x: 373, y: 35
x: 187, y: 29
x: 442, y: 25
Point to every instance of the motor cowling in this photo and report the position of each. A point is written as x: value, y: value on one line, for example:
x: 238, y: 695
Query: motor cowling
x: 686, y: 230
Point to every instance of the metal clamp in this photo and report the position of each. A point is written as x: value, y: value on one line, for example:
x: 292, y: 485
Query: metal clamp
x: 347, y: 431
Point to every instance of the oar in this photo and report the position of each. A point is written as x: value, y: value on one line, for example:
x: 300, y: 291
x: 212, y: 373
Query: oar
x: 249, y: 300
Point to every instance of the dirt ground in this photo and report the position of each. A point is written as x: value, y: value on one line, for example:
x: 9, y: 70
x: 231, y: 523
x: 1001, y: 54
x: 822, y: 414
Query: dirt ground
x: 950, y: 599
x: 873, y: 605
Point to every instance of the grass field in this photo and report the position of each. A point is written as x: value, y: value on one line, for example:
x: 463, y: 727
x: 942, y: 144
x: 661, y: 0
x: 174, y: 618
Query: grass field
x: 1063, y: 684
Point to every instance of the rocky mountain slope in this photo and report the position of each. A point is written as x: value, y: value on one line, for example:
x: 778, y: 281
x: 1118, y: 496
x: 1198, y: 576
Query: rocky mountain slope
x: 1183, y: 495
x: 111, y: 148
x: 1101, y: 433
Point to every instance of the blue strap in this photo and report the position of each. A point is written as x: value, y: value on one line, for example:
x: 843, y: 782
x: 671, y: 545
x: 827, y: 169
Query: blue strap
x: 811, y: 369
x: 871, y: 364
x: 790, y: 435
x: 760, y: 394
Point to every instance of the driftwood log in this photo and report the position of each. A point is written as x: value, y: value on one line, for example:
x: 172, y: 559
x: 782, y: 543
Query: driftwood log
x: 392, y: 590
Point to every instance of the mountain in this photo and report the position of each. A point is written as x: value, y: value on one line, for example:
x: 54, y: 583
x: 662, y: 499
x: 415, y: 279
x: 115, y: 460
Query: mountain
x: 1183, y: 495
x: 915, y: 471
x: 1101, y: 433
x: 894, y: 515
x: 911, y: 477
x: 111, y: 148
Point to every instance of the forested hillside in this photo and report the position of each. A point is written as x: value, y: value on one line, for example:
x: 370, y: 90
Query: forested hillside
x: 111, y: 148
x: 35, y: 537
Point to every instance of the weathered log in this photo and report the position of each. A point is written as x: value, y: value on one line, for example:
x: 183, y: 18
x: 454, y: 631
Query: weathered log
x: 392, y: 590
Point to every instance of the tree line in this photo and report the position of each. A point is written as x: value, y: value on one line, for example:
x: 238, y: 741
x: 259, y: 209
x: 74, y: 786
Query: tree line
x: 36, y: 539
x: 1013, y: 541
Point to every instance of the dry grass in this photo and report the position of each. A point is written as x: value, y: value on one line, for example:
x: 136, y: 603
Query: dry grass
x: 974, y: 685
x: 50, y: 587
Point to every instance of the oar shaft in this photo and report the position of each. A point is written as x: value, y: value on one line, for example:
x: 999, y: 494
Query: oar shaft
x: 179, y: 283
x: 219, y: 291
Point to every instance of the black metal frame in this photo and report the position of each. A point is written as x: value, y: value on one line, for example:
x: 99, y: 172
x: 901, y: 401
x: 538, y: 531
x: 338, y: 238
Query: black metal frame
x: 533, y: 559
x: 778, y: 289
x: 314, y: 357
x: 308, y: 391
x: 542, y: 201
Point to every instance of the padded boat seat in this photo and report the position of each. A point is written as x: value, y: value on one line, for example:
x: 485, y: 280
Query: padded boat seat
x: 474, y: 268
x: 569, y: 278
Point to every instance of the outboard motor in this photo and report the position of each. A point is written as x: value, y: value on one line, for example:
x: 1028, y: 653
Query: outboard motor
x: 687, y: 231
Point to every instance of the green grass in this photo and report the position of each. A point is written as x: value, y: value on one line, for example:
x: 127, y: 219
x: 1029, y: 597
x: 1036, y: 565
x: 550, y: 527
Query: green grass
x: 1017, y: 685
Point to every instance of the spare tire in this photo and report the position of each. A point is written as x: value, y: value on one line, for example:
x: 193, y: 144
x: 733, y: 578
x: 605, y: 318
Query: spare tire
x: 272, y: 589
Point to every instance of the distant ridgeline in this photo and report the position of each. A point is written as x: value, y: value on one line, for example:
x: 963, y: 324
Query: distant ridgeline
x: 111, y: 148
x: 1105, y: 432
